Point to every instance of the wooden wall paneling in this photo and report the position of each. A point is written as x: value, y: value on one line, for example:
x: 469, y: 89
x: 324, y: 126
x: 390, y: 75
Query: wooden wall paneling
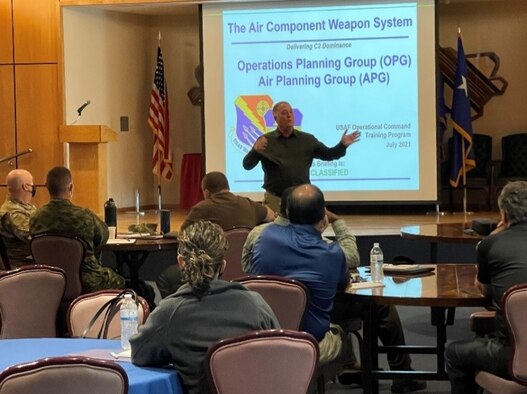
x: 88, y: 166
x: 7, y: 113
x: 89, y: 162
x: 38, y: 117
x: 36, y: 31
x: 126, y: 2
x: 6, y: 32
x: 7, y: 122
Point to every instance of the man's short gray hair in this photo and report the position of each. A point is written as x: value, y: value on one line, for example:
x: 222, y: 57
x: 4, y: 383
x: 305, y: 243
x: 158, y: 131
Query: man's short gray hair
x: 512, y: 201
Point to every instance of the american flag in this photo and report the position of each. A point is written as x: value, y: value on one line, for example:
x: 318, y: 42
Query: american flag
x: 158, y: 120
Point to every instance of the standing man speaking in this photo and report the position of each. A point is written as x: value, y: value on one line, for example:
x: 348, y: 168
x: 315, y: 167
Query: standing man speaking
x: 287, y: 154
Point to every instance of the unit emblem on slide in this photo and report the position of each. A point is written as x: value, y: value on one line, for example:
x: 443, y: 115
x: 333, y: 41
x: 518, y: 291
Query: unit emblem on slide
x: 254, y: 117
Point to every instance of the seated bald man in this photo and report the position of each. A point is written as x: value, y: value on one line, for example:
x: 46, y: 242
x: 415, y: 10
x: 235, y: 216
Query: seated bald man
x: 222, y: 207
x: 14, y: 216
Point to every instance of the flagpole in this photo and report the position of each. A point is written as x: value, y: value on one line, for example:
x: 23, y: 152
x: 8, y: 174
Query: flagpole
x: 462, y: 122
x: 464, y: 174
x: 159, y: 203
x: 159, y: 198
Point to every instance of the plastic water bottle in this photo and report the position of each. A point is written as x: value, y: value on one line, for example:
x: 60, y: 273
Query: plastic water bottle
x: 128, y: 314
x: 376, y: 262
x: 110, y: 213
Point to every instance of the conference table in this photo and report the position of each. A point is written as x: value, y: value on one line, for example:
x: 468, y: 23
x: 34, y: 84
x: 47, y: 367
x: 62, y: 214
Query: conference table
x: 441, y: 232
x: 141, y: 380
x: 442, y: 290
x: 134, y: 251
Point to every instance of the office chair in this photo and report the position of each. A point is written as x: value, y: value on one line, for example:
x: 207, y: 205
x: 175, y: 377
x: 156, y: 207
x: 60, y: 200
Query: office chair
x: 64, y: 375
x: 513, y: 302
x: 236, y: 237
x: 29, y: 301
x: 83, y: 308
x: 262, y: 362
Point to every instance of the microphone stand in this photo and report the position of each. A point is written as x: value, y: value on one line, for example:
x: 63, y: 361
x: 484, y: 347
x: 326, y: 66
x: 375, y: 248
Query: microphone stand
x: 66, y: 148
x: 9, y: 158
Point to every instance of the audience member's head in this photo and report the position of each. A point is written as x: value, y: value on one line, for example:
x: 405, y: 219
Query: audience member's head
x: 59, y: 183
x: 306, y: 205
x: 512, y: 202
x: 20, y: 185
x: 202, y: 247
x: 214, y: 182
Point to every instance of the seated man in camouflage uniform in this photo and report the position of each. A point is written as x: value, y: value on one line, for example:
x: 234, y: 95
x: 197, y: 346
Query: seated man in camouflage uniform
x: 14, y: 216
x: 59, y: 215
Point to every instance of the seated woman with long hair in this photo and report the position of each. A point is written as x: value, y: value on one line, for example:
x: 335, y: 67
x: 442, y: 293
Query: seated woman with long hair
x: 204, y: 310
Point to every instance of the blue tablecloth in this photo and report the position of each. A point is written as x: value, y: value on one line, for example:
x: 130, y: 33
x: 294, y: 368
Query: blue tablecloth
x: 142, y: 380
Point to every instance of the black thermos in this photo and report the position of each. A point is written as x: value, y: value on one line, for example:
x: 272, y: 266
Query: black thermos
x: 165, y: 221
x: 110, y: 213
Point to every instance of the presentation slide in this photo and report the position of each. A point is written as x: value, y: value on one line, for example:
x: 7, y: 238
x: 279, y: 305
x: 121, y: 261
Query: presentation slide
x: 355, y: 66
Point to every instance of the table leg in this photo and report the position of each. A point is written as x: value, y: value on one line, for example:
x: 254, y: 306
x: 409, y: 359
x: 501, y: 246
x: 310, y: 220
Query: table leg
x: 134, y: 260
x: 440, y: 320
x: 370, y: 356
x: 433, y: 252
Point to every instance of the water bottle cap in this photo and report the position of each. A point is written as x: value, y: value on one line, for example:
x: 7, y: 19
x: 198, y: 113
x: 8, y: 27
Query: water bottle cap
x: 127, y: 296
x: 375, y: 244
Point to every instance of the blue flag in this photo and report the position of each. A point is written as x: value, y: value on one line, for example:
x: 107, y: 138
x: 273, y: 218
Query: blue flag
x: 462, y: 159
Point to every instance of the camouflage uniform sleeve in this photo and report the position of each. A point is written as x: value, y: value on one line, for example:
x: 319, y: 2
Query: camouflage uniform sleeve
x: 19, y: 223
x: 101, y: 233
x: 347, y: 243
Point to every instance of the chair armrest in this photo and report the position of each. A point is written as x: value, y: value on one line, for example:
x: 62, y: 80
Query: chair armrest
x: 482, y: 322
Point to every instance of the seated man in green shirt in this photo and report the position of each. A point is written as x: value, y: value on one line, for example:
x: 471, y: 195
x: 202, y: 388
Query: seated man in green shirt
x: 61, y: 216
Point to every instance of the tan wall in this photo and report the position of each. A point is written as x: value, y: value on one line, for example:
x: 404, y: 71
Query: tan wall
x: 500, y: 27
x: 181, y: 52
x: 104, y: 60
x: 110, y: 59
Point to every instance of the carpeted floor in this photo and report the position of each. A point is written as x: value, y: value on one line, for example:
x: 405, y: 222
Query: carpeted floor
x: 418, y: 331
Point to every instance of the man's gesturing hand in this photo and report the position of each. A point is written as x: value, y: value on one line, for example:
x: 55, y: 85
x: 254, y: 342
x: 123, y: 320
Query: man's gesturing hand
x: 260, y: 144
x: 348, y: 139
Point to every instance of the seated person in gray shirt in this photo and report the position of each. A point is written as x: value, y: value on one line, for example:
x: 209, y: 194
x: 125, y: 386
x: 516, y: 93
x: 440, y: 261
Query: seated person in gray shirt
x: 204, y: 310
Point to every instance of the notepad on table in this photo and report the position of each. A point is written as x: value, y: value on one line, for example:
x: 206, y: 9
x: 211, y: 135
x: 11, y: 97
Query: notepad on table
x: 139, y: 236
x: 364, y: 285
x: 121, y: 241
x: 105, y: 354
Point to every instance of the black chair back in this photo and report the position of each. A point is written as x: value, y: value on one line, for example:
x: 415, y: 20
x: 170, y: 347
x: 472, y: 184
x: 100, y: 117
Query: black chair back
x: 4, y: 259
x: 514, y: 155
